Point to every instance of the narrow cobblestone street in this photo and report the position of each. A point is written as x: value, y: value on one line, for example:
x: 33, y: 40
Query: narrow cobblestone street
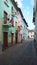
x: 19, y: 54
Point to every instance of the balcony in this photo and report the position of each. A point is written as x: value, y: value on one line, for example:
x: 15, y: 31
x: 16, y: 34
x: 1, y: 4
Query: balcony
x: 14, y: 14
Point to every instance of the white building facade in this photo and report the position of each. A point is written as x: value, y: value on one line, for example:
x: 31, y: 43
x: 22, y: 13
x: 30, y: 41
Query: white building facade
x: 24, y: 30
x: 31, y: 34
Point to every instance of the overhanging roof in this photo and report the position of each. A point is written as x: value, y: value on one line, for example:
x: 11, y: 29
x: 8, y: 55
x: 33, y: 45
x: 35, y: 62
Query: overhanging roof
x: 20, y: 11
x: 25, y: 22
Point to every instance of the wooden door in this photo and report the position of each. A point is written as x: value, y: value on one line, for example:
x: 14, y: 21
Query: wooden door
x: 16, y: 36
x: 5, y: 39
x: 12, y: 38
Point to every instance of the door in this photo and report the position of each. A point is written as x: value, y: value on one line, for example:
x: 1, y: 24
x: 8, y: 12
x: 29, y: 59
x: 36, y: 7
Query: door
x: 16, y: 36
x: 5, y: 39
x: 12, y: 38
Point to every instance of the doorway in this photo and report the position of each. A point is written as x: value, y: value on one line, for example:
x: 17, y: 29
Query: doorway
x: 5, y: 39
x: 12, y: 38
x: 16, y: 35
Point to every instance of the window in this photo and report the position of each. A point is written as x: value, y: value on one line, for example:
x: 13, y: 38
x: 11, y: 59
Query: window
x: 6, y: 3
x: 16, y: 25
x: 12, y: 10
x: 32, y: 35
x: 6, y: 0
x: 5, y: 17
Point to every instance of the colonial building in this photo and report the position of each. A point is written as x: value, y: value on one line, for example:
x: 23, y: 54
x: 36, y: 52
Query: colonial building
x: 31, y: 34
x: 24, y: 29
x: 19, y: 25
x: 8, y: 20
x: 10, y: 23
x: 22, y: 26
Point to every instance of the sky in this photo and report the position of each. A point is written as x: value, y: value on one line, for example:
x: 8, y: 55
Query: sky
x: 27, y: 10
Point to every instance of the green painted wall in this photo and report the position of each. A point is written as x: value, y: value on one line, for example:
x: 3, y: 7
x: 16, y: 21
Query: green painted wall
x: 3, y: 8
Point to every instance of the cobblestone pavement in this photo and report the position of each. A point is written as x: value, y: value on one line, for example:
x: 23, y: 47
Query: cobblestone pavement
x: 19, y: 54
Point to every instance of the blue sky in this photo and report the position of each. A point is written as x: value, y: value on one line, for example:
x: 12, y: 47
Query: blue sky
x: 27, y: 10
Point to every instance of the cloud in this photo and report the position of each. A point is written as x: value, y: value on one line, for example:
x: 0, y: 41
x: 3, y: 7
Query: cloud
x: 19, y: 3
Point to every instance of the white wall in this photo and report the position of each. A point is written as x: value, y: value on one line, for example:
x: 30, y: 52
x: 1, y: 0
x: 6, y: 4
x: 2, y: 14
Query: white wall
x: 31, y: 34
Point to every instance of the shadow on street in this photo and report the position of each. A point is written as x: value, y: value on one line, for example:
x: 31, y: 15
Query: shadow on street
x: 20, y: 54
